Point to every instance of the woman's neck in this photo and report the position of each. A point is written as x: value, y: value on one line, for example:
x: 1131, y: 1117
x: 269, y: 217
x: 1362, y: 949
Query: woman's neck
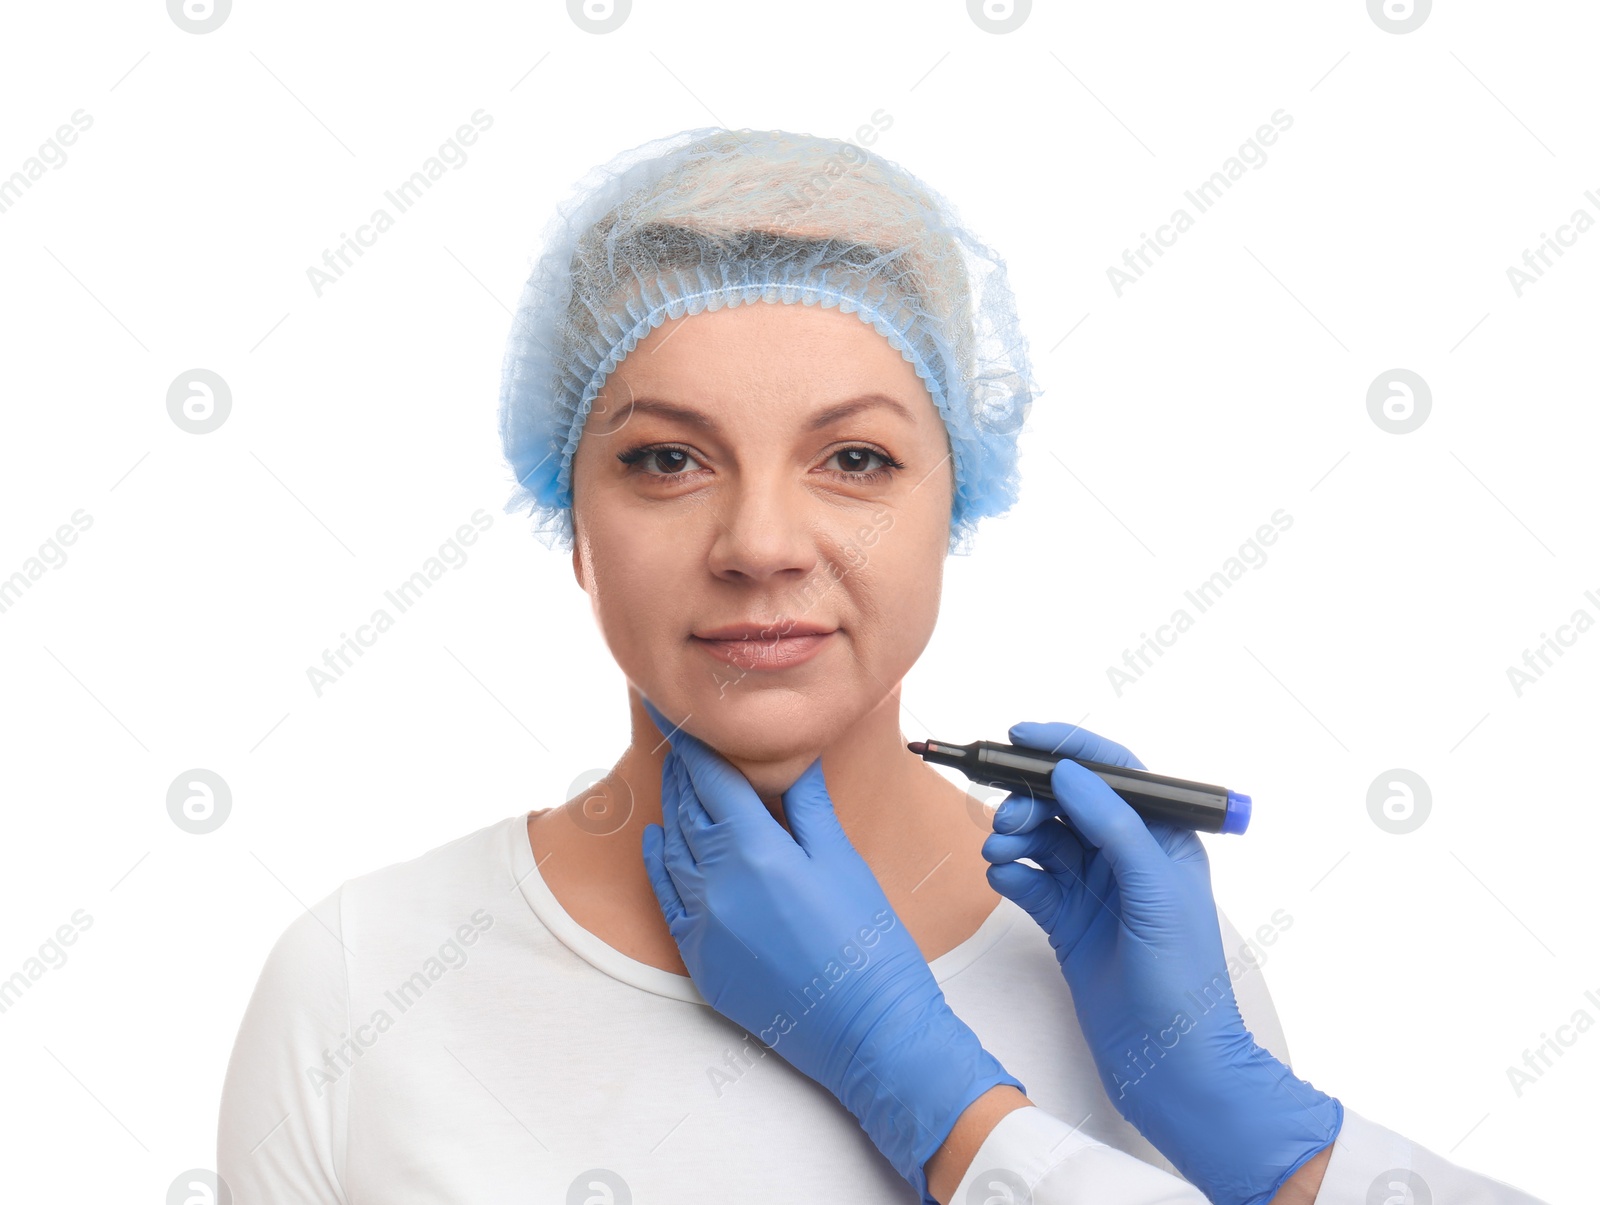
x: 920, y: 833
x: 902, y: 816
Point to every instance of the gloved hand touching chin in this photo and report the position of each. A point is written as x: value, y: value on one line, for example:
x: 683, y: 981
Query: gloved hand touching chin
x: 793, y: 938
x: 1130, y: 915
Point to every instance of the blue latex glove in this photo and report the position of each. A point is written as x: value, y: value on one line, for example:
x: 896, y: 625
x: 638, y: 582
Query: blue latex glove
x: 793, y: 938
x: 1129, y: 911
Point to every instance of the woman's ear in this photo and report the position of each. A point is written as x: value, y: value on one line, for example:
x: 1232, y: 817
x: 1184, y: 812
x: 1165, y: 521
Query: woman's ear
x: 577, y: 570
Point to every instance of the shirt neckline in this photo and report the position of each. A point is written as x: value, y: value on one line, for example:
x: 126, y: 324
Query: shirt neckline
x: 529, y: 879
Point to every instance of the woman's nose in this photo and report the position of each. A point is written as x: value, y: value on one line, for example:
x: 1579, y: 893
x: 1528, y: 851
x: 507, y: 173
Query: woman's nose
x: 765, y: 528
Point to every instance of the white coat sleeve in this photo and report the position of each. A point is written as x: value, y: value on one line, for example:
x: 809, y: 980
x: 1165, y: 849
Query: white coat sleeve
x: 281, y: 1127
x: 1366, y: 1152
x: 1036, y: 1157
x: 1059, y: 1165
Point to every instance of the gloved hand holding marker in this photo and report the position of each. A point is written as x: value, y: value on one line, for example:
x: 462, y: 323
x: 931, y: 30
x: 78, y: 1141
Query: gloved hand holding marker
x: 1126, y: 903
x: 1130, y: 914
x: 1176, y: 801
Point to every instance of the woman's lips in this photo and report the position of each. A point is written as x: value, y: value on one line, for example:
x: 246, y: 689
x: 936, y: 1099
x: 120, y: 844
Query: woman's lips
x: 781, y: 652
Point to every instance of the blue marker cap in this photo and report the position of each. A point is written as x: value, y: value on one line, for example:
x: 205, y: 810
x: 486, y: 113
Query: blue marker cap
x: 1237, y: 818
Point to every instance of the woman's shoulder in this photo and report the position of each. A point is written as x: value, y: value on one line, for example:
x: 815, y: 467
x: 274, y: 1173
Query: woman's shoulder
x: 442, y: 886
x: 376, y: 942
x: 465, y: 864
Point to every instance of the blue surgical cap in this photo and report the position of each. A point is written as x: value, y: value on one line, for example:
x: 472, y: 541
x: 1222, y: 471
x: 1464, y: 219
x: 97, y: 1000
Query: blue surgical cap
x: 710, y: 217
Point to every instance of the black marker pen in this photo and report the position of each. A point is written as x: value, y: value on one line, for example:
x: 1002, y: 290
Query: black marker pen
x: 1195, y: 805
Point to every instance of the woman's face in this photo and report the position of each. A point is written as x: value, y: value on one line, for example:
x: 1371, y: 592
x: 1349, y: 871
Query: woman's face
x: 737, y: 472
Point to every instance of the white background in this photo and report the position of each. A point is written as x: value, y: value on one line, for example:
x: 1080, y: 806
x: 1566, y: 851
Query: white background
x: 1229, y: 382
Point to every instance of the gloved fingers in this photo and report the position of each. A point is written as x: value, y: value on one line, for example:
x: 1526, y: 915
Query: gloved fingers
x: 722, y: 790
x: 1050, y: 845
x: 1069, y: 740
x: 808, y: 808
x: 1023, y: 811
x: 1106, y: 823
x: 1036, y: 892
x: 655, y: 868
x: 680, y: 859
x: 692, y: 818
x: 683, y: 866
x: 1181, y: 844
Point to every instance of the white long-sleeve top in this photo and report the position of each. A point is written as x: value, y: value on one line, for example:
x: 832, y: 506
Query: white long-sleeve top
x: 441, y: 1030
x: 1058, y: 1165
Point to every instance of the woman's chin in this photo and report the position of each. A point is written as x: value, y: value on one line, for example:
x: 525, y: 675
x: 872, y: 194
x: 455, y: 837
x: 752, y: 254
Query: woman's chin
x: 764, y: 727
x: 765, y: 750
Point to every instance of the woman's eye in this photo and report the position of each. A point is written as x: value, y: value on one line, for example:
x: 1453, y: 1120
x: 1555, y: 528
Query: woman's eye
x: 853, y: 458
x: 854, y: 463
x: 668, y: 460
x: 663, y: 455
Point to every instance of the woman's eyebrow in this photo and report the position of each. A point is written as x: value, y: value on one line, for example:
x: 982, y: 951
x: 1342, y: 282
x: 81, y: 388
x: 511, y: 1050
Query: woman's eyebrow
x: 689, y: 416
x: 866, y: 401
